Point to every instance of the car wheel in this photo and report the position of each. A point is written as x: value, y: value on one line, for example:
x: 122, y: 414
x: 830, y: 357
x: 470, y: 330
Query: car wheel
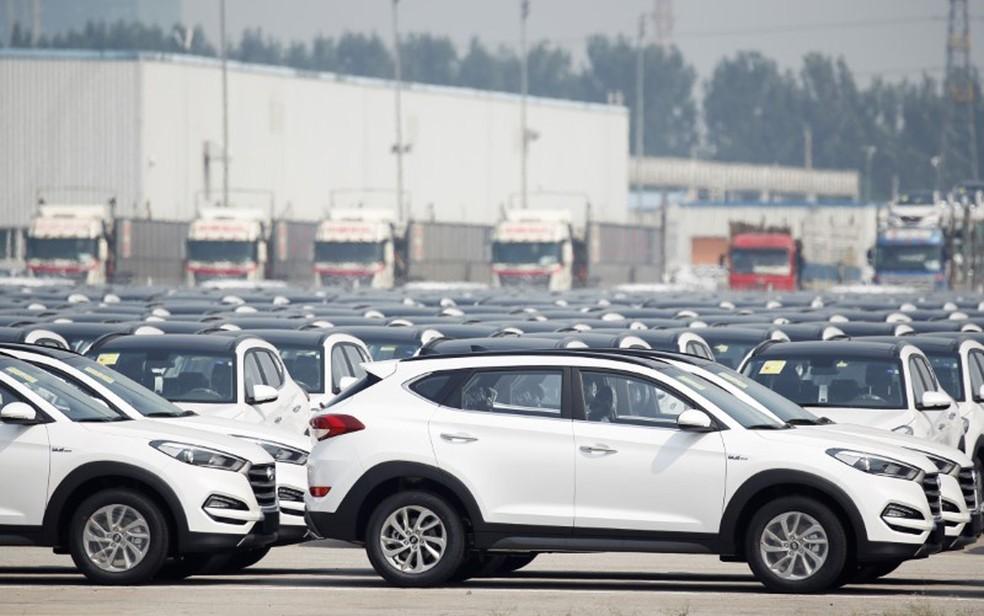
x: 870, y: 573
x: 415, y: 539
x: 119, y: 537
x: 515, y: 562
x: 797, y: 545
x: 236, y: 561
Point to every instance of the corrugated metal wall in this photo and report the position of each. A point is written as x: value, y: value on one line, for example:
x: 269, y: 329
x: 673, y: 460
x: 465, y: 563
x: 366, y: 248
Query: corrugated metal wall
x: 150, y: 251
x: 623, y: 253
x: 447, y: 252
x: 292, y: 254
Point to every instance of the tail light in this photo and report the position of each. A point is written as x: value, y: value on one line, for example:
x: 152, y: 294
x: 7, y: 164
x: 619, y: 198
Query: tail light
x: 328, y: 426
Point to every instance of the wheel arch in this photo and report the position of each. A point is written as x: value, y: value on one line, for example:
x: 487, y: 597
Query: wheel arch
x: 767, y: 485
x: 87, y: 479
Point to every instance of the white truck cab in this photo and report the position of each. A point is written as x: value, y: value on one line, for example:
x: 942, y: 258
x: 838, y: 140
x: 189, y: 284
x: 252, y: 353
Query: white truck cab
x: 542, y: 249
x: 357, y: 248
x: 228, y: 243
x: 71, y: 241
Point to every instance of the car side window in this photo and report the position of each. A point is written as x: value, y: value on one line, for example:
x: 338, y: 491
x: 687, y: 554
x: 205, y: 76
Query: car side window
x: 534, y: 391
x: 976, y: 366
x: 622, y: 398
x: 339, y: 367
x: 432, y: 386
x: 8, y: 395
x: 270, y: 369
x: 251, y: 370
x: 355, y: 360
x: 918, y: 380
x: 695, y: 348
x: 929, y: 376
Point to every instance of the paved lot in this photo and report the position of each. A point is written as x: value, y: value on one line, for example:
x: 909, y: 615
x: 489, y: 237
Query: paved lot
x: 327, y: 580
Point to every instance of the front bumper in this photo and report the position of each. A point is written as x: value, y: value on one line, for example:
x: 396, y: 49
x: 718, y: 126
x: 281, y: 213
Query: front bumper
x: 263, y: 533
x: 971, y: 531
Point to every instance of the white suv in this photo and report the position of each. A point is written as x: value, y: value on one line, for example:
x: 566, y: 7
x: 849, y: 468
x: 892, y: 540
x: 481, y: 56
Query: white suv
x: 119, y: 495
x: 437, y: 463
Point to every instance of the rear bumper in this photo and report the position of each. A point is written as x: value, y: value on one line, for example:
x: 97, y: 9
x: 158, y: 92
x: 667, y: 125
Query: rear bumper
x: 262, y: 534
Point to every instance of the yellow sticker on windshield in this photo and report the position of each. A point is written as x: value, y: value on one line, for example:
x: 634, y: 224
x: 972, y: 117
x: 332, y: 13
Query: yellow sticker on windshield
x: 733, y: 379
x: 773, y: 366
x: 721, y: 348
x: 14, y: 370
x: 693, y: 383
x: 108, y: 359
x: 99, y: 374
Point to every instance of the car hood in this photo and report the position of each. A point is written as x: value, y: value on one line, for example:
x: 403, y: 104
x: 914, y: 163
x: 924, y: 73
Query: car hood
x: 265, y: 432
x: 151, y: 430
x: 897, y: 439
x: 830, y: 439
x: 883, y: 419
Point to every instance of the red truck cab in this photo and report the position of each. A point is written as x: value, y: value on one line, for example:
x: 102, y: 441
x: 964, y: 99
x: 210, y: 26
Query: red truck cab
x: 763, y: 261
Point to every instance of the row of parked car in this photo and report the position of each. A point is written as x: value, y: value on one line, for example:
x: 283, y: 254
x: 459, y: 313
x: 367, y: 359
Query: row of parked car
x: 158, y: 433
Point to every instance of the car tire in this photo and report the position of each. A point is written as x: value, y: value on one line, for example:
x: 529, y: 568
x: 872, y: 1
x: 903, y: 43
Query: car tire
x: 870, y: 573
x: 236, y: 561
x: 796, y: 544
x: 424, y: 538
x: 515, y: 562
x: 118, y: 537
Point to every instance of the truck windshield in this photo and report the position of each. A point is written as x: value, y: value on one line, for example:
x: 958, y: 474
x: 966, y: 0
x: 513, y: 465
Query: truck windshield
x: 68, y: 248
x: 774, y: 261
x: 348, y: 252
x: 909, y: 258
x: 540, y: 253
x: 221, y: 250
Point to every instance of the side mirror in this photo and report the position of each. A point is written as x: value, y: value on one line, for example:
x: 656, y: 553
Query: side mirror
x: 18, y: 413
x: 262, y: 394
x: 934, y: 400
x: 344, y: 383
x: 693, y: 420
x: 980, y: 394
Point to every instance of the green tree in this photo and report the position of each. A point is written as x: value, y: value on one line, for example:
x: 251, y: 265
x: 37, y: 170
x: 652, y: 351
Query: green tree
x: 365, y: 55
x: 429, y: 59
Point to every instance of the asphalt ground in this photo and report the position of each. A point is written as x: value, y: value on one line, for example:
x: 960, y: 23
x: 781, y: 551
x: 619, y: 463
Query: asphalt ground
x: 327, y: 579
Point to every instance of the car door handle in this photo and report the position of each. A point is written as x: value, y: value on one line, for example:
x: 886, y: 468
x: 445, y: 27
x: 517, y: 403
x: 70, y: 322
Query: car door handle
x: 598, y: 449
x: 458, y: 438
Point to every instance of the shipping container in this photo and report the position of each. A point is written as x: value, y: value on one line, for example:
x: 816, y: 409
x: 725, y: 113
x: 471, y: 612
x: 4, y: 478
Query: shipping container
x: 620, y: 254
x: 449, y: 252
x: 149, y: 251
x: 293, y: 252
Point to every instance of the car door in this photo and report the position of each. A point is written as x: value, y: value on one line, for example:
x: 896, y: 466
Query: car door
x: 635, y: 469
x: 25, y: 462
x: 291, y: 403
x: 345, y: 354
x: 253, y: 375
x: 945, y: 422
x: 506, y: 433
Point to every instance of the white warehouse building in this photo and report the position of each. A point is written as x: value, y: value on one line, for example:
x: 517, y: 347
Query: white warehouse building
x: 147, y: 128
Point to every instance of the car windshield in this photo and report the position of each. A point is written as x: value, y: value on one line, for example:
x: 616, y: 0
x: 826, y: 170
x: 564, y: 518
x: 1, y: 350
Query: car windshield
x: 948, y: 372
x: 221, y: 251
x: 774, y: 261
x: 70, y: 249
x: 306, y: 365
x: 916, y: 197
x: 348, y: 252
x: 915, y: 258
x: 534, y: 253
x: 744, y: 414
x: 783, y: 408
x: 380, y: 351
x: 179, y: 376
x: 143, y: 400
x: 828, y: 381
x: 730, y: 354
x: 69, y: 400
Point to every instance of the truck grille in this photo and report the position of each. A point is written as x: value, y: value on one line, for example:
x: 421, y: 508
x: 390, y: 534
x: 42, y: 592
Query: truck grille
x: 541, y: 281
x: 968, y: 485
x: 263, y: 480
x: 931, y: 486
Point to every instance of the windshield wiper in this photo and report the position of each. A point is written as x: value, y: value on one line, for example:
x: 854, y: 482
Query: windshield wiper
x: 170, y: 414
x: 102, y: 419
x: 782, y: 426
x: 803, y: 421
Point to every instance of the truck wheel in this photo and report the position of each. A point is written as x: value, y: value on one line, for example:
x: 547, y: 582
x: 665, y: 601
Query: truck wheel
x: 118, y: 536
x: 796, y: 544
x: 415, y: 539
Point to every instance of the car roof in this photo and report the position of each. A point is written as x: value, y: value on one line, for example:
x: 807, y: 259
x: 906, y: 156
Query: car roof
x: 311, y: 337
x: 175, y: 342
x: 383, y: 333
x: 832, y: 348
x: 38, y: 349
x: 732, y: 334
x: 928, y: 344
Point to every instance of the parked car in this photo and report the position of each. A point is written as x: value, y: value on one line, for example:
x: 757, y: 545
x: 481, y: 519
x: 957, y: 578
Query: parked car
x: 418, y: 463
x: 122, y: 496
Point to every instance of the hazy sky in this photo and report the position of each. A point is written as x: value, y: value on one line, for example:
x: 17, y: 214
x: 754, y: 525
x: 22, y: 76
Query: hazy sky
x: 895, y: 38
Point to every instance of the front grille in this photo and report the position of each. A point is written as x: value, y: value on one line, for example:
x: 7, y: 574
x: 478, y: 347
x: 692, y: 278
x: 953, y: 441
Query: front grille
x: 968, y: 485
x: 931, y: 486
x: 263, y: 480
x: 541, y: 281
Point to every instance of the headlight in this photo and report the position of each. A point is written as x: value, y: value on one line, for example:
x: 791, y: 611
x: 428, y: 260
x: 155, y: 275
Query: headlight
x: 907, y: 430
x: 280, y: 452
x: 875, y: 465
x: 947, y: 467
x: 199, y: 456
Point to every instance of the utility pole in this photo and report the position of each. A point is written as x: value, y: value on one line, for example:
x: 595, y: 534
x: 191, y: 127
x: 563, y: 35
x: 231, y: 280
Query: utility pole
x: 225, y: 102
x: 807, y: 146
x: 399, y: 149
x: 869, y: 154
x: 640, y: 103
x: 662, y: 35
x: 959, y: 135
x: 35, y: 22
x: 524, y: 13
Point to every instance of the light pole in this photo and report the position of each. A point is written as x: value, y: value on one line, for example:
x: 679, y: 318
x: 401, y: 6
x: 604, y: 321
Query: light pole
x: 398, y: 148
x: 524, y: 87
x: 869, y: 154
x: 640, y: 107
x: 225, y: 103
x: 934, y: 162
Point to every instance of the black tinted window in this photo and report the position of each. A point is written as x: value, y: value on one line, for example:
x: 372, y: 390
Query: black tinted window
x: 432, y: 386
x: 523, y: 392
x: 270, y: 368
